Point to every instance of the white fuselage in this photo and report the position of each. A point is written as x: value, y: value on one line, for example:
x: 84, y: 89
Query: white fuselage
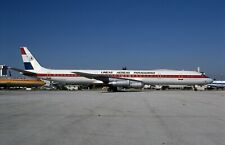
x: 149, y: 77
x: 115, y: 78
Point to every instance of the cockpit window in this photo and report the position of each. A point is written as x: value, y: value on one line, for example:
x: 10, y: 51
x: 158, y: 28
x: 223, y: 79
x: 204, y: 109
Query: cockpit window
x: 203, y: 73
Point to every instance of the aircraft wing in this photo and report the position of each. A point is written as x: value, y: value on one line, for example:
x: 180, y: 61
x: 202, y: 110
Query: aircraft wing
x: 24, y: 72
x: 103, y: 77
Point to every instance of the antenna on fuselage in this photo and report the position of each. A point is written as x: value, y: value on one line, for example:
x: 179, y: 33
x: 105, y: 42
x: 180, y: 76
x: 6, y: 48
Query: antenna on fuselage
x: 198, y: 69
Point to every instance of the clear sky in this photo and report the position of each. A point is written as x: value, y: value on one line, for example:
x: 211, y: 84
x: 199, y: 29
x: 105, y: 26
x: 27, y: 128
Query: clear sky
x: 109, y: 34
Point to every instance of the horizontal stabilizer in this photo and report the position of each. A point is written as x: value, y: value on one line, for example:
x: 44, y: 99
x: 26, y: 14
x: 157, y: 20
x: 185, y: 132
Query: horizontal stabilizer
x: 24, y: 72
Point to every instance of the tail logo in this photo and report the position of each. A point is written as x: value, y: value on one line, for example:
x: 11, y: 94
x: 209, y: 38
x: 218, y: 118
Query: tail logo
x: 28, y: 66
x: 29, y: 60
x: 22, y: 51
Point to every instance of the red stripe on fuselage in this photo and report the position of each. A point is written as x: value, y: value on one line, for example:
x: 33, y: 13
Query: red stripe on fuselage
x: 127, y: 76
x: 57, y: 75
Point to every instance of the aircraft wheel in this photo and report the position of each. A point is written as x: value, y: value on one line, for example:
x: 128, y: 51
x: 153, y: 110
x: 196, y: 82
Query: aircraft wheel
x: 112, y: 89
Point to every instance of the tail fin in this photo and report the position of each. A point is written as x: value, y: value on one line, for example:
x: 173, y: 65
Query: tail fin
x: 30, y: 63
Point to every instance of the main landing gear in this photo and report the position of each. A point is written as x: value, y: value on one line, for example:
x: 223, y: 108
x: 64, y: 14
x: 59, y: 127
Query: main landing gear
x: 110, y: 89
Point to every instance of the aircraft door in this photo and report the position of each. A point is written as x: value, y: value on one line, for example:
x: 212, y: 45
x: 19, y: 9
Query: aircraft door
x: 180, y: 77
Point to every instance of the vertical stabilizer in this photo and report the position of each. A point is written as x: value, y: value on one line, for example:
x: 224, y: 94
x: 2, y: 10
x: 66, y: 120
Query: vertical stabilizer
x: 30, y: 63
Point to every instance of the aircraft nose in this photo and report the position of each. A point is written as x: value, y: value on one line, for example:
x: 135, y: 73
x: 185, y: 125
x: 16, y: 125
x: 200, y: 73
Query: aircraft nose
x: 209, y: 80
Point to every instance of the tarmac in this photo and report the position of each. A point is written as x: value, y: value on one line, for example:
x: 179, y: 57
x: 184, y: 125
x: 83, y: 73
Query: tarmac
x: 122, y: 118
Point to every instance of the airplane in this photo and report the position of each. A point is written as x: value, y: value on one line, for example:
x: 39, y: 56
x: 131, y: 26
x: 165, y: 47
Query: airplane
x: 217, y: 85
x: 114, y: 79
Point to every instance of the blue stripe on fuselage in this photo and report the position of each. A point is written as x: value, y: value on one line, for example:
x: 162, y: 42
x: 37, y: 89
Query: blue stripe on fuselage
x: 28, y: 66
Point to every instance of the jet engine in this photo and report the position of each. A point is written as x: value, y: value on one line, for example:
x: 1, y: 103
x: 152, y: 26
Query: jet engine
x: 127, y: 84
